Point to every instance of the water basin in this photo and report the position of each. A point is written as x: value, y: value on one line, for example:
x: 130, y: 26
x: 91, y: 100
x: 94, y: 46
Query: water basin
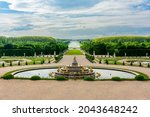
x: 105, y: 73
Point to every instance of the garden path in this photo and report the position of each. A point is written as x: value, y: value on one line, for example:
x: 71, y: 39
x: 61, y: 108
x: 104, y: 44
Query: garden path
x: 75, y: 90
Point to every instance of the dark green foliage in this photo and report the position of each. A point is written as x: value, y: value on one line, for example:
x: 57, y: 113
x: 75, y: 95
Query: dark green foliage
x: 141, y: 78
x: 35, y: 78
x: 61, y: 78
x: 33, y: 62
x: 115, y: 62
x: 106, y: 61
x: 10, y: 63
x: 131, y: 63
x: 58, y: 58
x: 8, y: 76
x: 17, y: 46
x: 8, y: 46
x: 26, y: 63
x: 131, y: 45
x: 89, y: 78
x: 90, y: 57
x: 116, y: 78
x: 49, y: 61
x: 19, y: 63
x: 123, y: 63
x: 148, y: 65
x: 42, y: 61
x: 3, y: 64
x: 140, y: 64
x: 100, y: 61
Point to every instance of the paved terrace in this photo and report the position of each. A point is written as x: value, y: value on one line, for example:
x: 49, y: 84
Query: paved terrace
x: 78, y: 89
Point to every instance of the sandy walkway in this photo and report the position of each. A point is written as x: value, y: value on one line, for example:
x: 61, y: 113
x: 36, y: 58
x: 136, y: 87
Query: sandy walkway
x: 26, y: 89
x: 19, y: 89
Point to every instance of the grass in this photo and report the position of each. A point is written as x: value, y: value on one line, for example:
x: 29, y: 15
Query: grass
x: 30, y: 60
x: 127, y: 59
x: 74, y: 52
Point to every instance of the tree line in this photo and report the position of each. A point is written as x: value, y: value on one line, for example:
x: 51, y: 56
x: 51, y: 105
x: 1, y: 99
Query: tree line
x: 121, y: 45
x: 29, y: 45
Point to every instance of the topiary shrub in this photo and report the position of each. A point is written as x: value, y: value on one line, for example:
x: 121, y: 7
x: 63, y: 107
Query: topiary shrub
x: 89, y: 78
x: 100, y: 61
x: 26, y: 63
x: 61, y: 78
x: 131, y: 63
x: 18, y: 63
x: 33, y: 62
x: 49, y: 61
x: 116, y: 78
x: 3, y: 64
x: 106, y: 61
x: 10, y: 63
x: 141, y: 78
x: 115, y: 62
x: 140, y: 64
x: 123, y: 63
x: 35, y: 78
x: 8, y: 76
x: 148, y: 65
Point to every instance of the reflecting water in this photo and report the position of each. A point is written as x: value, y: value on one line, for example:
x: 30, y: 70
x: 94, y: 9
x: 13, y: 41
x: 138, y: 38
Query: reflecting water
x: 105, y: 74
x: 74, y: 44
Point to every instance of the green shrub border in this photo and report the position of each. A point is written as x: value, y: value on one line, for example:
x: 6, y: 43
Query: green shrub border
x: 89, y: 78
x: 8, y: 76
x: 61, y: 78
x: 53, y: 67
x: 35, y: 78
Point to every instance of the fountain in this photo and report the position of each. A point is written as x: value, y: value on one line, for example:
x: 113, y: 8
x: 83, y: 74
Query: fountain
x: 75, y: 71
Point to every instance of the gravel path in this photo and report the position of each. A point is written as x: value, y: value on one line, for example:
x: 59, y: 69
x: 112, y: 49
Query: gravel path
x: 79, y: 89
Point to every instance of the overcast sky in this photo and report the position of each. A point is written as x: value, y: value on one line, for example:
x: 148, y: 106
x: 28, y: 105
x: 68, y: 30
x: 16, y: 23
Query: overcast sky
x: 74, y: 19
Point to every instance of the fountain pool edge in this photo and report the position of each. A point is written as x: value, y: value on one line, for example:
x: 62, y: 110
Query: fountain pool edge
x: 94, y: 67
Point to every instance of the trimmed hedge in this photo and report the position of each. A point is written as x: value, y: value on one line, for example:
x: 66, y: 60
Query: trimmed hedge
x: 8, y: 76
x: 141, y: 78
x: 61, y: 78
x: 35, y: 78
x: 116, y: 78
x: 89, y: 78
x: 90, y: 57
x: 58, y: 58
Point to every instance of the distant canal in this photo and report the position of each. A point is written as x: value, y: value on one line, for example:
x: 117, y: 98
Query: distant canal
x: 74, y: 44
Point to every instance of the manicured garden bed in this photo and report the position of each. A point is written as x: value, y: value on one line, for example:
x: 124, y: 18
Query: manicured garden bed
x: 74, y: 52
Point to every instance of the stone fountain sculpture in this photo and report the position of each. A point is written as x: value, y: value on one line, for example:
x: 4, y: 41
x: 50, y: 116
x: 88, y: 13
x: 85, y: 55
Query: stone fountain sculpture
x: 75, y: 71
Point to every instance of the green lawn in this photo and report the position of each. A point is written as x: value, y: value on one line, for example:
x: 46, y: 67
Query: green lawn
x: 30, y: 60
x: 74, y: 52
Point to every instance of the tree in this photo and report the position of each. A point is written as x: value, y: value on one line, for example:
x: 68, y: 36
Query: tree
x: 8, y: 46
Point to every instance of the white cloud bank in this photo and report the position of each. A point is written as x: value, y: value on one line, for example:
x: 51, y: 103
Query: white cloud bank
x: 108, y: 17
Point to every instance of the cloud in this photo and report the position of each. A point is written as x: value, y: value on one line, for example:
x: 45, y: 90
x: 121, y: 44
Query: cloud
x: 74, y: 19
x: 22, y: 28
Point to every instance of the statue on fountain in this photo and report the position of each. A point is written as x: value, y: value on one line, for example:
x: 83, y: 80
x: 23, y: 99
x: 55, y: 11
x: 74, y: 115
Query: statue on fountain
x: 75, y: 71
